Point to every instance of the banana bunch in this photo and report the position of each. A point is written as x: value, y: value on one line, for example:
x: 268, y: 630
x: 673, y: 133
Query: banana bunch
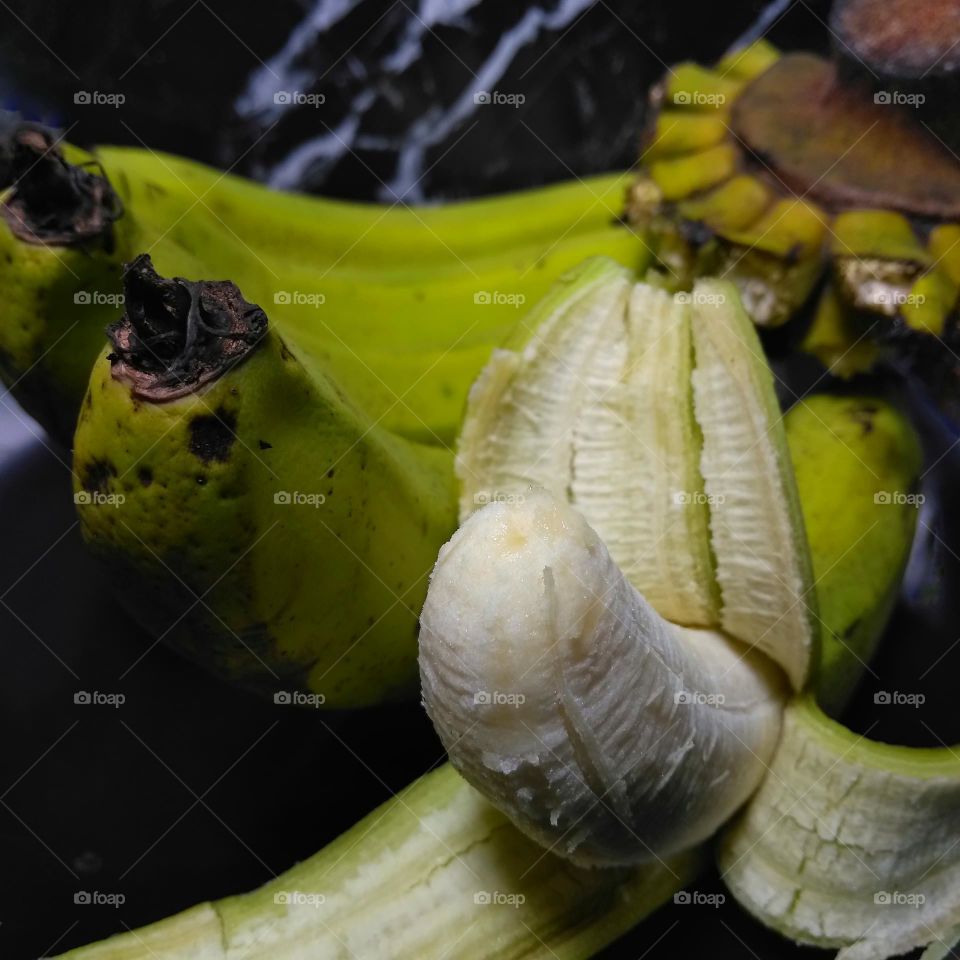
x: 439, y: 870
x: 404, y: 305
x: 643, y: 703
x: 750, y: 172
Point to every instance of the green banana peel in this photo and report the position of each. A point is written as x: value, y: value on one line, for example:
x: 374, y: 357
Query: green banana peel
x: 850, y: 843
x: 405, y: 304
x: 413, y: 869
x: 859, y: 546
x: 284, y: 227
x: 435, y: 872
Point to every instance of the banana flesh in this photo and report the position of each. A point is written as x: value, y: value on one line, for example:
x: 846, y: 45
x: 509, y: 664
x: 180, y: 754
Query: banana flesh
x: 586, y: 398
x: 603, y: 731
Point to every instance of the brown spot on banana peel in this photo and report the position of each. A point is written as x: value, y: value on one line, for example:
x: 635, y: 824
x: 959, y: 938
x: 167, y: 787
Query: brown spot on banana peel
x: 95, y: 476
x: 53, y: 202
x: 212, y: 435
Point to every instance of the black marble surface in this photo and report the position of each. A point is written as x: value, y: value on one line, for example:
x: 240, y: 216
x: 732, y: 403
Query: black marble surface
x: 397, y: 78
x: 191, y: 790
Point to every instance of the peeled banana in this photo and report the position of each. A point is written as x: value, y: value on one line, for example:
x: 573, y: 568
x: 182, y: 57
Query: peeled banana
x: 614, y: 736
x: 631, y: 738
x: 631, y: 405
x: 606, y: 733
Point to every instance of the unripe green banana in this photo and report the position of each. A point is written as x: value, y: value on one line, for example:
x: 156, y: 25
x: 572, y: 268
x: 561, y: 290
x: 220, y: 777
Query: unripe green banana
x: 284, y: 227
x: 251, y: 514
x: 407, y: 304
x: 860, y: 538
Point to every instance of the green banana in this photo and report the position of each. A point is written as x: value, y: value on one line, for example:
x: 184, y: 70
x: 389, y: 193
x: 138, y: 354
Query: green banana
x: 568, y: 911
x: 203, y: 468
x: 282, y: 226
x: 404, y: 304
x: 860, y: 540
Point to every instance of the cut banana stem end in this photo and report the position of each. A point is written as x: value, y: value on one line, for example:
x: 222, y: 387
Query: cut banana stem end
x: 603, y: 731
x: 52, y: 202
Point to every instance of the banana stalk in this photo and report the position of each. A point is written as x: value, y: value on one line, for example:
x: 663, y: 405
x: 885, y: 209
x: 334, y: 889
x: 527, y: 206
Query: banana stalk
x: 748, y: 172
x: 438, y: 871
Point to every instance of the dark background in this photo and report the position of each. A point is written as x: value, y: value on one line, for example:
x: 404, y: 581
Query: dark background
x: 191, y: 790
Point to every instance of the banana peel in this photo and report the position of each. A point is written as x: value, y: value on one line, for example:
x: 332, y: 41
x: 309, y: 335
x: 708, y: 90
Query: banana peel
x: 434, y: 866
x: 251, y: 514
